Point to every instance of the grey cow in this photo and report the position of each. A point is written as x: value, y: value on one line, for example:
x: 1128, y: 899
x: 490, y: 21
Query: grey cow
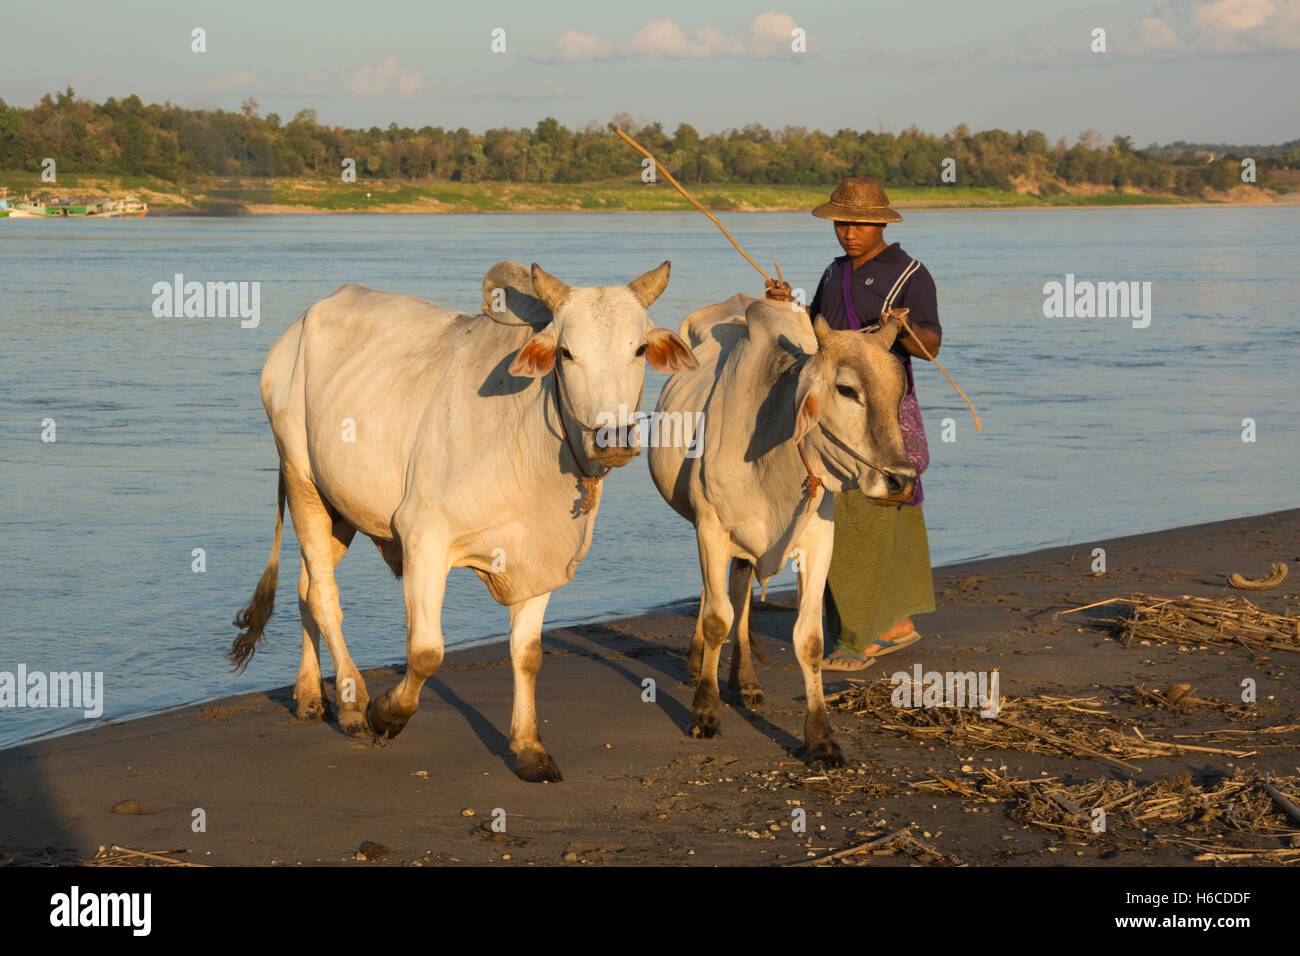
x: 791, y: 412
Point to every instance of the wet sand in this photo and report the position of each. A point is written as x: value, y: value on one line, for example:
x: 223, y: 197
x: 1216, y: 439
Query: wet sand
x: 636, y: 788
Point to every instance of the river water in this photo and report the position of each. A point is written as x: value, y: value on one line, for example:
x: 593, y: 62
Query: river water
x: 1091, y: 427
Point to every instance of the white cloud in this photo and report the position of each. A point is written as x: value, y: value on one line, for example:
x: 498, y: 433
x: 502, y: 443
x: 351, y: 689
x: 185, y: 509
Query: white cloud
x: 1231, y: 16
x: 718, y: 42
x: 573, y: 46
x: 409, y: 81
x: 372, y: 80
x: 664, y: 39
x: 378, y: 80
x: 768, y: 34
x: 1225, y: 26
x: 1157, y: 35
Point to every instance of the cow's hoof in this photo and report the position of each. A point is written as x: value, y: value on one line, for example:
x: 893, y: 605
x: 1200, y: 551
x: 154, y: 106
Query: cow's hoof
x: 310, y: 709
x: 383, y: 723
x: 826, y: 754
x: 353, y: 723
x: 704, y: 726
x: 747, y: 697
x: 537, y: 768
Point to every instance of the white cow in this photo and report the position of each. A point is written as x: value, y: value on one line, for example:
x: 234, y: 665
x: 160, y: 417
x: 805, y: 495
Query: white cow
x: 791, y: 412
x: 450, y: 440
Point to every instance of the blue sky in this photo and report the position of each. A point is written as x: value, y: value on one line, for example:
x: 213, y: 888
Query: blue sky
x: 1199, y: 70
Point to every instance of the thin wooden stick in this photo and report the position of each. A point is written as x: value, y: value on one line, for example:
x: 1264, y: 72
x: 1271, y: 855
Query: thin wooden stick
x: 1283, y: 801
x: 1065, y: 744
x: 1086, y: 606
x: 1206, y: 750
x: 1246, y: 854
x: 689, y: 198
x: 927, y: 847
x: 979, y: 426
x: 856, y: 849
x: 1065, y: 804
x: 153, y: 856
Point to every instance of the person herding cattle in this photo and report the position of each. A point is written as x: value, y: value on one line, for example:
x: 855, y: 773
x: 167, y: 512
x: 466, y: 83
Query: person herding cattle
x: 880, y: 569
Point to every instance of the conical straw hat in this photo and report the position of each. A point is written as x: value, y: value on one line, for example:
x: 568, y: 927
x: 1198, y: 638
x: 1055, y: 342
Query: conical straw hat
x: 858, y: 199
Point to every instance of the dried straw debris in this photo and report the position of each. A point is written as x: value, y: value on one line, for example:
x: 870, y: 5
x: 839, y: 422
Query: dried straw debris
x: 1244, y: 804
x: 899, y: 842
x: 1045, y: 724
x: 1179, y: 698
x: 1228, y: 621
x: 125, y: 856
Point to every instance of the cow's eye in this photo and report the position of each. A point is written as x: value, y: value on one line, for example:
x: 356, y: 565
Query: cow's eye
x: 847, y: 392
x: 566, y: 354
x: 640, y: 352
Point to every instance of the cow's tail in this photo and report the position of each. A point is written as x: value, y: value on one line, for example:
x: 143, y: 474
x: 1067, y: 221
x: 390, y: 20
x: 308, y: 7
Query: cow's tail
x: 253, y: 618
x: 756, y: 644
x: 756, y: 638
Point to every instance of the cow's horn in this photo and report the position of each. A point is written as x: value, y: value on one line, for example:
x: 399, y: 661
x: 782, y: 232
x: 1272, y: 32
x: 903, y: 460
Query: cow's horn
x: 650, y: 286
x: 550, y: 290
x: 822, y: 329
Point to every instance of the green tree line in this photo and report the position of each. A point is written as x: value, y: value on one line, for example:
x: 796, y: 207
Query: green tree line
x: 127, y: 137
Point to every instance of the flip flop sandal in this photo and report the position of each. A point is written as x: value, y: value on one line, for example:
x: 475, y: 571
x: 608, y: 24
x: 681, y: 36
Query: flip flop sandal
x: 841, y: 660
x: 889, y: 647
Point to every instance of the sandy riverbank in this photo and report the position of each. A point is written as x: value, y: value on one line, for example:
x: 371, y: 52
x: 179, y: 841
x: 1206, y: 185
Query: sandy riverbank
x: 637, y: 790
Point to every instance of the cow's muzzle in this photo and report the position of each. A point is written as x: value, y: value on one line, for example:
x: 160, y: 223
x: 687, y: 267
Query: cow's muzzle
x: 895, y: 487
x: 901, y: 484
x: 621, y: 447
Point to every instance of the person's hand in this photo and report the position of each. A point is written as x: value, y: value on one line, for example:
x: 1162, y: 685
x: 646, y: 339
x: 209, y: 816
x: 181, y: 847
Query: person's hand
x: 778, y: 291
x: 896, y: 315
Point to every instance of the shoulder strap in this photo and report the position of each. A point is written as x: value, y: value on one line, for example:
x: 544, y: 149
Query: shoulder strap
x: 907, y: 273
x: 846, y: 291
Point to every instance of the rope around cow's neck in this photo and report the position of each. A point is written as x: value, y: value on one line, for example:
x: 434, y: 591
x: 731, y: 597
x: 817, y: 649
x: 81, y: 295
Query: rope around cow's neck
x: 813, y: 483
x: 590, y: 483
x: 979, y: 427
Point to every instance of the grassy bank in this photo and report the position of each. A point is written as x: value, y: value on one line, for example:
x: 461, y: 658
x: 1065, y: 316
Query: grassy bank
x: 251, y: 196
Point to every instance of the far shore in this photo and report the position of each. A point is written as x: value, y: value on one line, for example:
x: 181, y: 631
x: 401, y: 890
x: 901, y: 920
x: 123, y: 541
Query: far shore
x: 253, y: 197
x: 638, y: 790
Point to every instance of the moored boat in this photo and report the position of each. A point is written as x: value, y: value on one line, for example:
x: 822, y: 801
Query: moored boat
x: 99, y: 208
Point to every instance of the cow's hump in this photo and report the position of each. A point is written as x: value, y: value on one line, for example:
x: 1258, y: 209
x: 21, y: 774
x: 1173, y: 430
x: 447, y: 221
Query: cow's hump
x: 510, y: 284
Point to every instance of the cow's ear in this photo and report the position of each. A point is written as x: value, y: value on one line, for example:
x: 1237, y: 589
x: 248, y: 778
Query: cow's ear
x: 666, y: 352
x: 807, y: 399
x: 537, y: 357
